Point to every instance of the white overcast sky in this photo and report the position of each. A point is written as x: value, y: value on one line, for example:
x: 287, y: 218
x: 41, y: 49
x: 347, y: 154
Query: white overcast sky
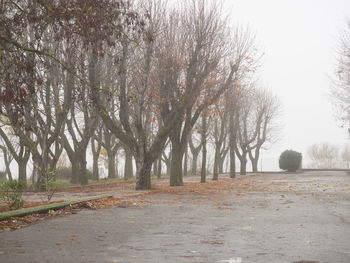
x: 299, y: 39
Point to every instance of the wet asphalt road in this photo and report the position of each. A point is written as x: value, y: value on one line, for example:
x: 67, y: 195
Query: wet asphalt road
x: 291, y: 218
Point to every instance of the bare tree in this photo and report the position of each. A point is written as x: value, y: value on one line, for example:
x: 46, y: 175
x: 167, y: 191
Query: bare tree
x: 204, y: 135
x: 267, y: 132
x: 82, y: 120
x: 220, y: 131
x: 96, y: 146
x: 135, y: 97
x: 111, y: 79
x: 36, y: 75
x: 341, y: 85
x: 248, y: 121
x: 247, y: 57
x: 43, y: 124
x: 345, y: 155
x: 324, y: 155
x: 201, y: 63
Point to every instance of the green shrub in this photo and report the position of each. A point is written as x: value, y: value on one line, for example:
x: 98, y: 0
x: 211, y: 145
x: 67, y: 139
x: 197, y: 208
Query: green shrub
x: 11, y: 193
x: 290, y: 160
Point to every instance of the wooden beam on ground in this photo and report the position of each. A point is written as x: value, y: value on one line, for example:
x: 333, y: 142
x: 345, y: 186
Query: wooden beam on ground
x: 45, y: 208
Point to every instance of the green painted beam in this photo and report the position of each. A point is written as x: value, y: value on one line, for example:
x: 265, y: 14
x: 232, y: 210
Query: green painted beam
x: 45, y: 208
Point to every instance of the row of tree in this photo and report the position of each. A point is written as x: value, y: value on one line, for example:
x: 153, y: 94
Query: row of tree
x: 138, y: 77
x: 328, y: 156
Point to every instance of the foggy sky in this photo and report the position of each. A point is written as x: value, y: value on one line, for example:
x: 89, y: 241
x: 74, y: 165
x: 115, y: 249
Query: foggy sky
x: 300, y: 40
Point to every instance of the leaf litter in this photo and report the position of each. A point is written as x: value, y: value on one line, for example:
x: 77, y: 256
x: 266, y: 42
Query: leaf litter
x: 199, y: 192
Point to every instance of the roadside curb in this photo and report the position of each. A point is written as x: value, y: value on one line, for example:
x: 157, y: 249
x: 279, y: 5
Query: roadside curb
x: 45, y: 208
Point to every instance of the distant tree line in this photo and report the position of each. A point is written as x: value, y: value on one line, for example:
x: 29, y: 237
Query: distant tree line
x: 328, y: 156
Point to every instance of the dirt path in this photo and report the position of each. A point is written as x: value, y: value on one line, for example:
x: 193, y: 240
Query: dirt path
x: 269, y: 218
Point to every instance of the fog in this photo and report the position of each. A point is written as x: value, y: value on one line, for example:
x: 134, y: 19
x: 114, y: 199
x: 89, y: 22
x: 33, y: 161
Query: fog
x: 300, y: 40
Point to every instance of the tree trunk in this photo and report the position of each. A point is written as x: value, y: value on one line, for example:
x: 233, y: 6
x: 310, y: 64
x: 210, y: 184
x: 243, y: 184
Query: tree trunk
x: 40, y: 183
x: 204, y: 148
x: 186, y: 161
x: 178, y: 145
x: 116, y: 166
x: 204, y: 163
x: 168, y: 167
x: 155, y: 167
x: 254, y: 160
x: 159, y: 170
x: 221, y: 165
x: 7, y: 160
x: 243, y: 161
x: 219, y: 133
x: 95, y: 156
x: 222, y: 159
x: 95, y: 172
x: 75, y: 169
x: 232, y: 163
x: 194, y: 164
x: 195, y: 152
x: 254, y: 165
x: 111, y: 165
x: 232, y: 143
x: 143, y: 174
x: 83, y: 176
x: 176, y: 165
x: 216, y: 163
x: 9, y: 174
x: 167, y: 161
x: 128, y: 170
x: 22, y: 171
